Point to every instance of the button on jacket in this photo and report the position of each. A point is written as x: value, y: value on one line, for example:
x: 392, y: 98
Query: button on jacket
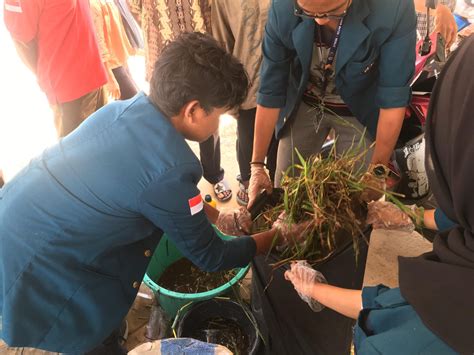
x: 374, y: 64
x: 77, y: 227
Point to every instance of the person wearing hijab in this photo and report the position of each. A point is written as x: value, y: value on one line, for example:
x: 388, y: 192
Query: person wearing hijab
x: 432, y: 311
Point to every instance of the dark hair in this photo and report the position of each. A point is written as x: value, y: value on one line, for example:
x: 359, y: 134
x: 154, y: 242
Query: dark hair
x: 196, y: 67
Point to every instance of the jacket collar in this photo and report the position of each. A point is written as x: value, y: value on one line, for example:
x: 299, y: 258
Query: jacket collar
x: 354, y: 32
x: 303, y: 37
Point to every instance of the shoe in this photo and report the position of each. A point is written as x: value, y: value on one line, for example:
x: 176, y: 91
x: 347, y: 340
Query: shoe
x: 242, y: 196
x: 223, y: 191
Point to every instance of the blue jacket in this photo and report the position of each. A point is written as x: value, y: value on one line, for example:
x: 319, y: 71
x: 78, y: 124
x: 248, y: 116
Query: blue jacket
x: 79, y: 224
x: 389, y: 325
x: 374, y: 64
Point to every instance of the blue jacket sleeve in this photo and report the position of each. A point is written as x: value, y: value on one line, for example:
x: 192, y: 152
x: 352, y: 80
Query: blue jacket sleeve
x: 442, y: 221
x: 397, y: 60
x: 369, y: 295
x: 275, y: 69
x: 166, y: 203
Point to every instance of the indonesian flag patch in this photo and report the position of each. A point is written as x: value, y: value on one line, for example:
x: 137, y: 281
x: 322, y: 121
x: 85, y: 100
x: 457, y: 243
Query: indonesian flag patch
x: 13, y: 6
x: 195, y: 204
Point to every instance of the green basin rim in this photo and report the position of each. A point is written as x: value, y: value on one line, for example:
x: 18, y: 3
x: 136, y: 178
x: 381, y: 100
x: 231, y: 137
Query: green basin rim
x: 158, y: 289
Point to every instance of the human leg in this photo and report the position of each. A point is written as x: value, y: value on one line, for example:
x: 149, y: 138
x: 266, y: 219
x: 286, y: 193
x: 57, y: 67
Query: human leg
x: 351, y: 135
x: 69, y: 115
x: 244, y: 148
x: 272, y: 157
x: 302, y: 134
x: 210, y: 153
x: 245, y: 133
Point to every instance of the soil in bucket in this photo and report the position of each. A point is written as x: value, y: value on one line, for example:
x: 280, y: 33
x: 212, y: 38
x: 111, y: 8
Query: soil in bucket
x: 221, y: 321
x: 182, y: 276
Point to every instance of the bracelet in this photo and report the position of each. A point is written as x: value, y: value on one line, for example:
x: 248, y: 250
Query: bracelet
x: 258, y: 163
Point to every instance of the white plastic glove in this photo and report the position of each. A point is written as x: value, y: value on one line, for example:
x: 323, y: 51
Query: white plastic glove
x: 304, y: 277
x: 290, y: 233
x: 375, y: 181
x: 386, y: 215
x: 234, y: 222
x: 259, y: 180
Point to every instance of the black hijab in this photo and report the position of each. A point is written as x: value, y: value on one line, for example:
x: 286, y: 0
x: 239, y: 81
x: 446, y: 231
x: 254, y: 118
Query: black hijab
x: 440, y: 284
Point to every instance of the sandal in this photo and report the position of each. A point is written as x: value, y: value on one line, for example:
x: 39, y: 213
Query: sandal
x: 222, y: 191
x: 242, y: 196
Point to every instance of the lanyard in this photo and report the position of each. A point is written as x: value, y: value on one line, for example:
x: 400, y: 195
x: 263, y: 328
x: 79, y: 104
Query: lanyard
x: 330, y: 60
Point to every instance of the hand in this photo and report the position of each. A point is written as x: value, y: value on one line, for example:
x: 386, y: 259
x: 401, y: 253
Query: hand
x: 290, y: 233
x: 304, y: 278
x: 259, y: 180
x: 445, y: 24
x: 375, y: 183
x: 234, y: 222
x: 385, y: 215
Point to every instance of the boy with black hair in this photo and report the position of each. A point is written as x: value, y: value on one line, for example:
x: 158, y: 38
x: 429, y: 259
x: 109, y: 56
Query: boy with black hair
x: 79, y: 224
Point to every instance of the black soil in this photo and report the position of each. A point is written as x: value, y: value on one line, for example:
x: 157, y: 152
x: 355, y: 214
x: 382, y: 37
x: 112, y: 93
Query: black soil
x: 224, y: 332
x: 182, y: 276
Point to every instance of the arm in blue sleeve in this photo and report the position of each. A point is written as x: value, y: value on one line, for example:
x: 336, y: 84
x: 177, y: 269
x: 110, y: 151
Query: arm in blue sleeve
x: 166, y: 204
x: 442, y: 221
x: 369, y: 294
x: 275, y: 69
x: 397, y: 60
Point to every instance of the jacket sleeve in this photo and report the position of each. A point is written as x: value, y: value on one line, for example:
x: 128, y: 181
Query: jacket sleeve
x: 275, y: 69
x: 173, y: 203
x: 397, y: 59
x: 442, y: 221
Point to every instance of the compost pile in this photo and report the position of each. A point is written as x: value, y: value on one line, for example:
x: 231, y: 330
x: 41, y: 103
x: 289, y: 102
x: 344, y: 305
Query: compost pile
x: 182, y: 276
x: 326, y: 192
x: 225, y: 332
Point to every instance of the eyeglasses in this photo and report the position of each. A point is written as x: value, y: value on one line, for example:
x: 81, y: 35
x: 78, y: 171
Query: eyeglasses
x: 300, y: 12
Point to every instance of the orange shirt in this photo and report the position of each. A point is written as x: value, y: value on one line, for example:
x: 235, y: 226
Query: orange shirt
x: 113, y: 42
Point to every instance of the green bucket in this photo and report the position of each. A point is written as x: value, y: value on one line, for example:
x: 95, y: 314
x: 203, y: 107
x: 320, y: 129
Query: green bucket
x: 165, y: 254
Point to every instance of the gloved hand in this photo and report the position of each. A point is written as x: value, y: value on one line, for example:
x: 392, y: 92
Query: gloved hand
x: 290, y: 233
x: 386, y: 215
x: 445, y: 24
x: 375, y: 181
x: 234, y: 222
x: 304, y: 277
x: 259, y: 180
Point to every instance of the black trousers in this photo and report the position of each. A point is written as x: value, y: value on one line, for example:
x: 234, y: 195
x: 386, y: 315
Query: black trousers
x: 244, y: 145
x: 210, y: 152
